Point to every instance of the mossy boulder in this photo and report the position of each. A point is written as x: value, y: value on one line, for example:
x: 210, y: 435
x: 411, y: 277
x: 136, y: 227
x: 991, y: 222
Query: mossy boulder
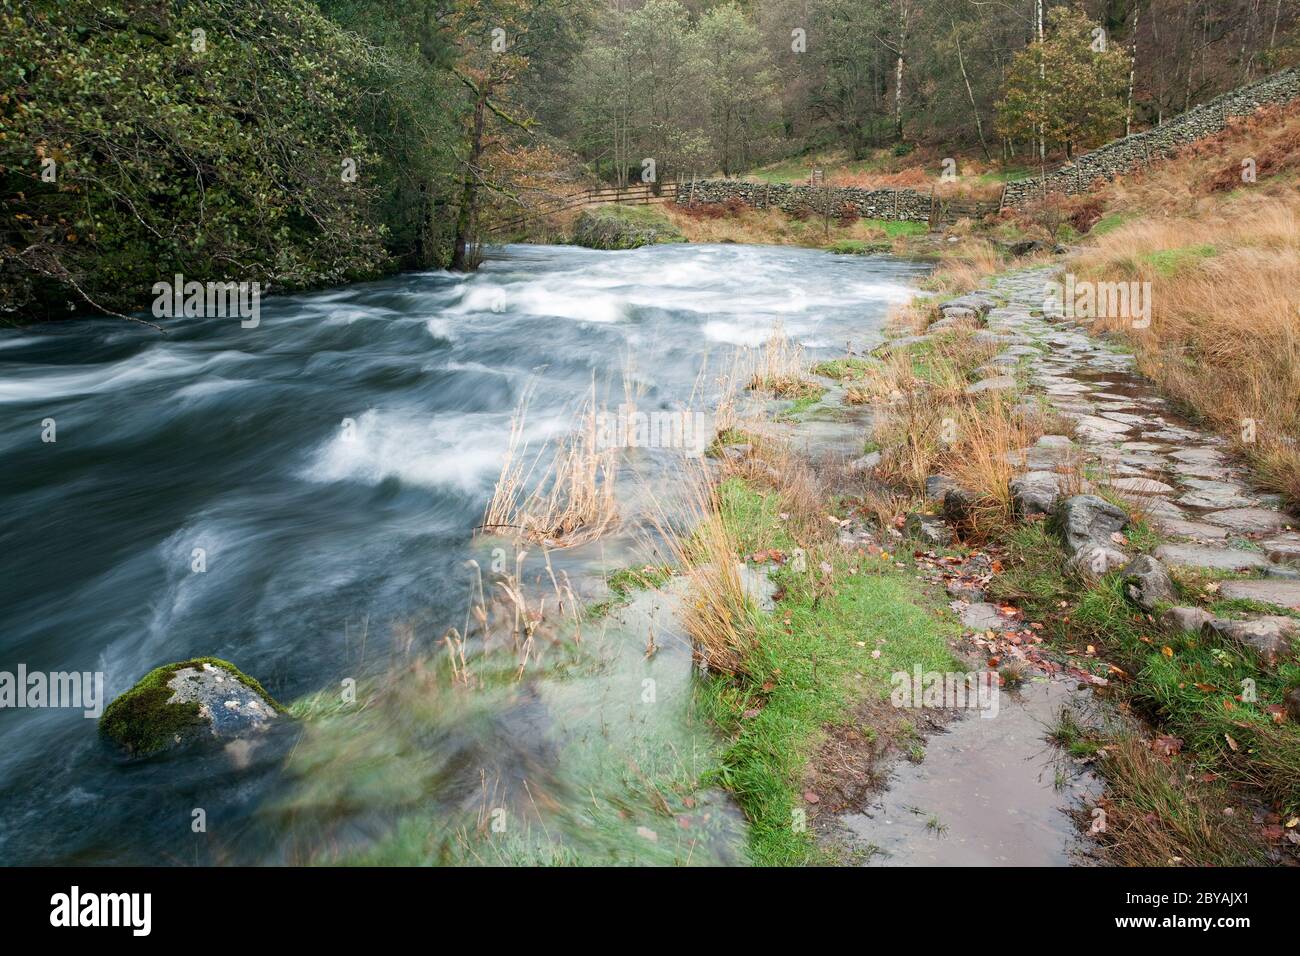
x: 623, y: 227
x: 178, y: 703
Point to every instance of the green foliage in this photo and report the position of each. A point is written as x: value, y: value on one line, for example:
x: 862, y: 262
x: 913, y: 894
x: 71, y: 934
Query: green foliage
x: 1065, y: 89
x: 623, y: 227
x: 208, y: 140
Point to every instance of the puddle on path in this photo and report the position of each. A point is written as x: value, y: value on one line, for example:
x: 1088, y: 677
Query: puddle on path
x: 987, y: 793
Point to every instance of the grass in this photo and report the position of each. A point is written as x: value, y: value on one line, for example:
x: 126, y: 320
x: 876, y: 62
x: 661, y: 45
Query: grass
x: 964, y: 267
x: 811, y: 662
x: 805, y: 401
x: 926, y: 423
x: 1156, y: 810
x: 780, y: 369
x: 572, y: 498
x: 848, y: 236
x: 844, y: 369
x: 624, y: 581
x: 1224, y: 337
x: 1198, y: 688
x: 1169, y: 262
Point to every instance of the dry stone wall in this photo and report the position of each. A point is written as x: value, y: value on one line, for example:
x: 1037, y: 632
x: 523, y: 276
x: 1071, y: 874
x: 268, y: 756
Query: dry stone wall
x: 1124, y: 155
x: 900, y: 204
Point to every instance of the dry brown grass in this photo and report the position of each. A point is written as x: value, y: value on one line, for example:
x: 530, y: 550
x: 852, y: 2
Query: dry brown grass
x: 774, y: 227
x: 572, y: 501
x: 781, y: 369
x: 928, y: 425
x: 718, y: 614
x: 512, y: 615
x: 980, y: 458
x: 965, y: 267
x: 1224, y: 338
x: 912, y: 318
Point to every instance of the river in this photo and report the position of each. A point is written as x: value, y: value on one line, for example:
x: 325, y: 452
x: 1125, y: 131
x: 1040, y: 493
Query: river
x: 299, y: 498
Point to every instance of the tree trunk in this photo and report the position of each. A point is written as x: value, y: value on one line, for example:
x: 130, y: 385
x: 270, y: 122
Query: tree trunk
x: 1132, y: 71
x: 467, y: 213
x: 979, y: 126
x: 1042, y: 80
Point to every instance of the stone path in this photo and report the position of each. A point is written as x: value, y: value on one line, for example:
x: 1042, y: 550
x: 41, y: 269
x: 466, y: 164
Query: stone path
x: 1126, y: 438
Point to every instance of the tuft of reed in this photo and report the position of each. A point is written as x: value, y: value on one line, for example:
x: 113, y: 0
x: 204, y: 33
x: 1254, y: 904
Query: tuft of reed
x: 573, y: 501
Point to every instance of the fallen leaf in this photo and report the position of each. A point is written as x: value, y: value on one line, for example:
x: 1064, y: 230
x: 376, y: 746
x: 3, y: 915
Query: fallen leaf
x: 1231, y: 743
x: 810, y: 797
x: 1168, y: 746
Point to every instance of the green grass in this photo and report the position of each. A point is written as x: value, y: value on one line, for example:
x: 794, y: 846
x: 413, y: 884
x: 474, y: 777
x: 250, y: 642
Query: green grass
x: 804, y: 402
x: 1109, y: 223
x: 1032, y: 574
x: 856, y: 247
x: 626, y: 580
x: 1244, y: 607
x: 813, y: 655
x: 1006, y: 174
x: 894, y: 228
x: 1195, y: 686
x: 845, y: 369
x: 1169, y: 262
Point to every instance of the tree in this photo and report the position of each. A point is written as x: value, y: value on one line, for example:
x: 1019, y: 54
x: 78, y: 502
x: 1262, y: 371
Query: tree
x: 1069, y: 88
x: 738, y: 83
x: 491, y: 39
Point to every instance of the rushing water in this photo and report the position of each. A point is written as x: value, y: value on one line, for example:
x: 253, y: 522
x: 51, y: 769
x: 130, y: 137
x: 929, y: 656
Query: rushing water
x: 327, y: 544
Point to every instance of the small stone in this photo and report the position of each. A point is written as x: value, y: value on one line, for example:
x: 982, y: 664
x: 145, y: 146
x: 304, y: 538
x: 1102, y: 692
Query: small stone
x: 1293, y: 703
x: 936, y: 486
x: 1094, y: 561
x: 179, y: 703
x: 1190, y: 529
x: 864, y: 464
x: 929, y: 529
x: 964, y: 591
x: 1087, y: 520
x: 1105, y: 425
x: 983, y: 617
x: 998, y: 383
x: 1269, y: 637
x: 1147, y: 583
x: 1248, y: 519
x: 1190, y: 619
x: 957, y: 504
x: 1035, y: 492
x: 1215, y: 494
x: 1141, y: 486
x: 1282, y: 552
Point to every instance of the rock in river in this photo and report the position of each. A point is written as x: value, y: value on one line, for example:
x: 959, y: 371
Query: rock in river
x: 177, y: 703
